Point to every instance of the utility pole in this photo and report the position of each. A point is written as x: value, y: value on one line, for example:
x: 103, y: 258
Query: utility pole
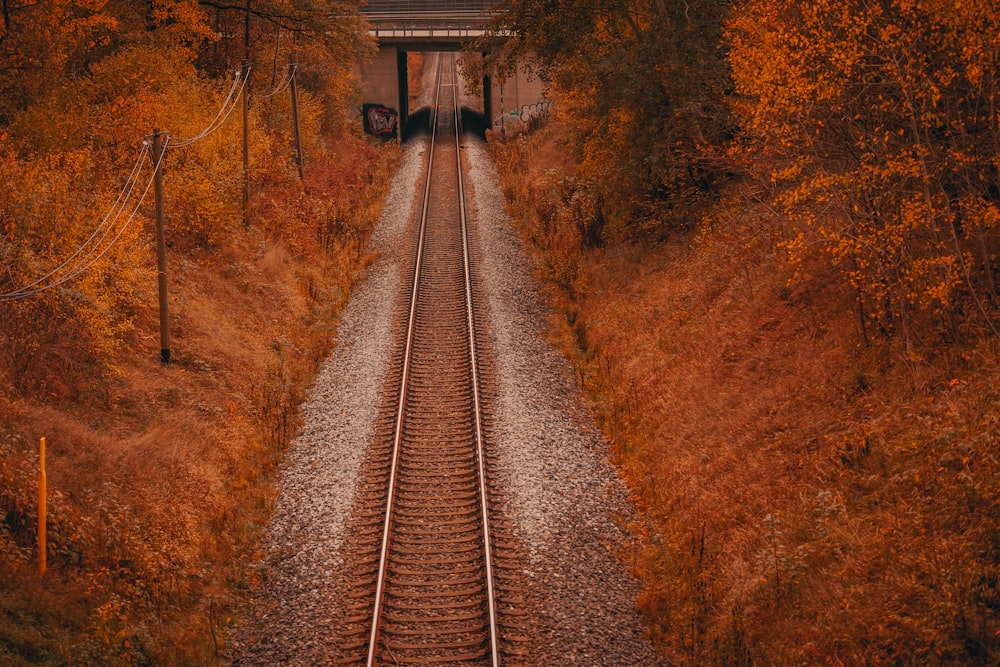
x: 161, y: 246
x: 246, y: 117
x: 295, y: 114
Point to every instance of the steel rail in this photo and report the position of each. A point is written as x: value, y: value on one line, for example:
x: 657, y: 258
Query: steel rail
x: 401, y: 405
x: 379, y: 606
x: 480, y: 449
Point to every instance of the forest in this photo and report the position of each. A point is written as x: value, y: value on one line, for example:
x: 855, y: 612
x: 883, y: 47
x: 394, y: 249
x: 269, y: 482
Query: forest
x: 160, y: 477
x: 769, y: 231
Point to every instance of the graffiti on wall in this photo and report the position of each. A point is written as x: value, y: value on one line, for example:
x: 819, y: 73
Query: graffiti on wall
x: 380, y: 121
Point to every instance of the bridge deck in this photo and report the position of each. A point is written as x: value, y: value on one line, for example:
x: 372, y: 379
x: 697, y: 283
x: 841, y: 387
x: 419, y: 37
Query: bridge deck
x: 426, y: 20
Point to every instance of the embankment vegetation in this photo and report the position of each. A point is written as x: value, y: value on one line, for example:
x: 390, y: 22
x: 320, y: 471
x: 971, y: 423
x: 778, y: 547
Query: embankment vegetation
x: 160, y: 475
x: 770, y: 233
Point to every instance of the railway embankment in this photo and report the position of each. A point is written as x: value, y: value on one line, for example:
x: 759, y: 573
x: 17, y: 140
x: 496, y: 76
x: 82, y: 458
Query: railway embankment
x: 160, y: 477
x: 807, y: 496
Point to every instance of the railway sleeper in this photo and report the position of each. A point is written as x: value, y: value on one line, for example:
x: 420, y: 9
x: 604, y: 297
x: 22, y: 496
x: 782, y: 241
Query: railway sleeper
x: 357, y: 591
x: 420, y: 579
x: 450, y: 659
x: 433, y: 546
x: 361, y: 572
x: 469, y: 643
x: 444, y: 526
x: 417, y: 416
x: 466, y: 593
x: 359, y: 620
x: 434, y: 542
x: 459, y: 456
x: 440, y: 577
x: 443, y: 509
x: 407, y: 615
x: 431, y: 563
x: 366, y: 530
x: 455, y: 478
x: 433, y: 436
x: 462, y: 514
x: 471, y: 601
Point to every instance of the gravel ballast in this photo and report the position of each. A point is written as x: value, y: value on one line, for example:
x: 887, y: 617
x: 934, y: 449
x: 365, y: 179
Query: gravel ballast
x: 562, y: 494
x: 292, y: 619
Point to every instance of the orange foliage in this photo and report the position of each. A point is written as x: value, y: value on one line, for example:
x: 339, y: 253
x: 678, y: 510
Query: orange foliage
x: 804, y: 501
x: 82, y: 84
x: 873, y: 124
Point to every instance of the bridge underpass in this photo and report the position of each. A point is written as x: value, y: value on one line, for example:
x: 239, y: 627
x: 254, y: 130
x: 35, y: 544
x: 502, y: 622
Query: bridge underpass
x: 405, y: 26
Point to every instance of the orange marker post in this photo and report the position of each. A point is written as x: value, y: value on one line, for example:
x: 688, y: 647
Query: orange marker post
x: 41, y: 507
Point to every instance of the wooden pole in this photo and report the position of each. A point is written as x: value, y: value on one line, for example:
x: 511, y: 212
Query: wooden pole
x: 246, y: 117
x: 161, y: 247
x: 42, y: 493
x: 295, y: 115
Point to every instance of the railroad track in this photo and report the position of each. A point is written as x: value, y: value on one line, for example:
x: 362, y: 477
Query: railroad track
x: 431, y: 572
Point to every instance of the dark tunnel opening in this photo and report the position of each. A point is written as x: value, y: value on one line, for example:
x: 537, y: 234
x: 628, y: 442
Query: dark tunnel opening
x: 418, y: 123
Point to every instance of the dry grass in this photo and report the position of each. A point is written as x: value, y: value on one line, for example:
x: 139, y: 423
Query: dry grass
x: 806, y: 499
x: 162, y: 477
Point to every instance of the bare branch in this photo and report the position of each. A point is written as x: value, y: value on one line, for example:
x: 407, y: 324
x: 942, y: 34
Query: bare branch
x: 283, y: 21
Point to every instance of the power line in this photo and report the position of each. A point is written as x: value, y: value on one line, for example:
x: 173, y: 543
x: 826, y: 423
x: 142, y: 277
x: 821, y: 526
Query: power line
x: 224, y: 111
x: 110, y: 217
x: 83, y: 266
x: 90, y: 259
x: 87, y: 254
x: 286, y: 81
x: 119, y: 203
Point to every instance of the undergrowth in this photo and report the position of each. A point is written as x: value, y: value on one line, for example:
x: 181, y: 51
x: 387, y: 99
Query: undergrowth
x: 807, y: 496
x: 161, y: 477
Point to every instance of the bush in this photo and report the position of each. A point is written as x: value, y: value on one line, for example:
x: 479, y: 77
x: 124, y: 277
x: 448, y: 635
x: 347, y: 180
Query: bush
x: 869, y: 122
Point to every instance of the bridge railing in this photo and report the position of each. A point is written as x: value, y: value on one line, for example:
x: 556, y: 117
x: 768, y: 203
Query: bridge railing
x: 411, y: 7
x: 427, y: 24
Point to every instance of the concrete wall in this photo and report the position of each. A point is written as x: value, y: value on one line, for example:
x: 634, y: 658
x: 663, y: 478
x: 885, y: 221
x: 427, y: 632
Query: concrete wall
x: 380, y: 79
x: 383, y: 82
x: 513, y: 93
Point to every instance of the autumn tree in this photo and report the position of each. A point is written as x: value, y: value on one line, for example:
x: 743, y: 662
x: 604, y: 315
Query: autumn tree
x: 642, y: 86
x: 877, y: 126
x: 82, y: 82
x: 41, y: 40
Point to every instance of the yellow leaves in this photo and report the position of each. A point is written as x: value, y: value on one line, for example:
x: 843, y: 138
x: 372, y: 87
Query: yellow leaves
x: 980, y: 216
x: 932, y: 282
x: 52, y: 212
x: 869, y: 117
x: 787, y: 173
x: 973, y: 70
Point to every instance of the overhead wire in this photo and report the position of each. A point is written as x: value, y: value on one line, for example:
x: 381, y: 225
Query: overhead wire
x: 88, y: 262
x: 224, y: 111
x: 180, y: 142
x: 286, y: 81
x: 90, y: 259
x: 119, y: 203
x: 128, y: 222
x: 84, y: 256
x: 110, y: 217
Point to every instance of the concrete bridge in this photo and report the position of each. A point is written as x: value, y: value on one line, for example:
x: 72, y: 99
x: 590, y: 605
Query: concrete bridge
x: 420, y: 25
x: 403, y: 26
